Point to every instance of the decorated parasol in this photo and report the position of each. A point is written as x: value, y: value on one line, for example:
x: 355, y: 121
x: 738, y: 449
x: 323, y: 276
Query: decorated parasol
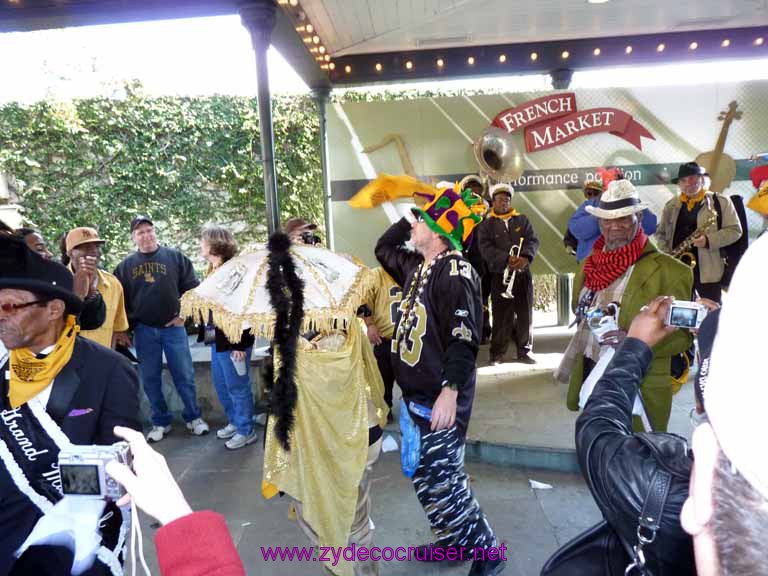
x: 335, y: 285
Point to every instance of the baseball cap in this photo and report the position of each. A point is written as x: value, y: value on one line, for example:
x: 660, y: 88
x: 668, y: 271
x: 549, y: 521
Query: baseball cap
x: 83, y: 235
x: 140, y: 219
x: 736, y: 394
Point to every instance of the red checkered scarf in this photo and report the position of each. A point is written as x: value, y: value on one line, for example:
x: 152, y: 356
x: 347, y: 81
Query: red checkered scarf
x: 602, y: 268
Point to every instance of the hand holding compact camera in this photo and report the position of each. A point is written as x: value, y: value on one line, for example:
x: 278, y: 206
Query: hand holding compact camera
x: 687, y: 315
x: 83, y: 471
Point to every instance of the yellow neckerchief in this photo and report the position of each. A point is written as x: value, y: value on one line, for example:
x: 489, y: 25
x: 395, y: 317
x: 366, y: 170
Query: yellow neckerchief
x: 691, y: 201
x: 507, y: 216
x: 30, y: 375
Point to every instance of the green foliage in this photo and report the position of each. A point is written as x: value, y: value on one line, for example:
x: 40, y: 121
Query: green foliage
x: 183, y: 161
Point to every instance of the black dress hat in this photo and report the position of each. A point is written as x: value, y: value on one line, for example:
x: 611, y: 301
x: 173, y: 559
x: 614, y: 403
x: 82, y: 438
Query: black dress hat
x: 689, y: 169
x: 23, y: 269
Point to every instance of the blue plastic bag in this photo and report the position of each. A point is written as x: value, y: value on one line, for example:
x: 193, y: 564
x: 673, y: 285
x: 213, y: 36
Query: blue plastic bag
x: 410, y: 442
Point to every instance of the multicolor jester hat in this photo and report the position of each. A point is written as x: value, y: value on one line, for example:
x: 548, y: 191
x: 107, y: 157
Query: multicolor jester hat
x: 450, y: 214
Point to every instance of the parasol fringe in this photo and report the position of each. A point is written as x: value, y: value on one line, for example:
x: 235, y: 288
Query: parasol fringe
x: 324, y: 320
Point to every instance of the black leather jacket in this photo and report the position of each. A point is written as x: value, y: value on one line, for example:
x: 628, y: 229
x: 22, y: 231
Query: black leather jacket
x: 618, y: 465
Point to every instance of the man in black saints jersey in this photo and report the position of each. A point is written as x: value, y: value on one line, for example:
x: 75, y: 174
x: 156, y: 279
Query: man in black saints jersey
x: 434, y: 346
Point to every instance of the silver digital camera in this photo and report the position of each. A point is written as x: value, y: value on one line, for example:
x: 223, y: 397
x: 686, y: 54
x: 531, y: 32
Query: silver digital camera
x: 83, y: 471
x: 688, y: 315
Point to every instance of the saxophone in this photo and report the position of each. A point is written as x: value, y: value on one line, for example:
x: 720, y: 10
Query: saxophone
x: 682, y: 251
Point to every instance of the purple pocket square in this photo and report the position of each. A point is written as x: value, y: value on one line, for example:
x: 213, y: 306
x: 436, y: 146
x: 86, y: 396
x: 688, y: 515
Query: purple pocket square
x: 80, y: 412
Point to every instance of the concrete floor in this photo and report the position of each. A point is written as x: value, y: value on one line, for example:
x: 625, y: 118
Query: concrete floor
x: 531, y: 523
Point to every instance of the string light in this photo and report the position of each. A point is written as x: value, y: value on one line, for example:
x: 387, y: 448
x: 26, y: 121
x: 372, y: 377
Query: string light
x: 321, y: 49
x: 332, y: 66
x: 310, y: 28
x: 293, y: 2
x: 327, y: 57
x: 502, y: 58
x: 315, y: 39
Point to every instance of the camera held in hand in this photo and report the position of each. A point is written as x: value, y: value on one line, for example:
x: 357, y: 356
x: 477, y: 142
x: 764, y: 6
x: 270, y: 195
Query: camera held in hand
x: 687, y: 315
x: 310, y: 238
x: 83, y: 472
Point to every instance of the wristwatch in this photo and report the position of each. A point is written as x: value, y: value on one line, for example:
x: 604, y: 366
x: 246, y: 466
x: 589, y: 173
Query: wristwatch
x: 452, y: 385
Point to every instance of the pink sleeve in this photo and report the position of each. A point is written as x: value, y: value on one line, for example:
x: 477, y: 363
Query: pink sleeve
x: 198, y: 544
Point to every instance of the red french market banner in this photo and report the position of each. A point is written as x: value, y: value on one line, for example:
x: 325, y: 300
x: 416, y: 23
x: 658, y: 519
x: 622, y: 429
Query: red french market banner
x: 553, y: 120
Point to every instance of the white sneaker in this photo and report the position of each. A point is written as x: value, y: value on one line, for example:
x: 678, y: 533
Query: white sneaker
x: 238, y: 440
x: 198, y: 427
x: 157, y: 433
x: 227, y: 432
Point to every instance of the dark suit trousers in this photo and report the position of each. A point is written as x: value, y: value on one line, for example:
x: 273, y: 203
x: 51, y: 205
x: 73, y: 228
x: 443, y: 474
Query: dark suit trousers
x: 512, y: 318
x: 383, y: 355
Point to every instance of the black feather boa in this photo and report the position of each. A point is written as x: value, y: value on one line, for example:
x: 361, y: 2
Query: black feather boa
x: 286, y: 295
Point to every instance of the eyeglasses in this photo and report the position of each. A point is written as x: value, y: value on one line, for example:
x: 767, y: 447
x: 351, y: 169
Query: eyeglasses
x: 9, y: 308
x: 419, y: 218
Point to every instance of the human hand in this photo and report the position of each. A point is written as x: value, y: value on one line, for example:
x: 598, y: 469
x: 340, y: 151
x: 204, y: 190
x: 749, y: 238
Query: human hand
x: 238, y: 355
x: 710, y: 305
x: 517, y: 262
x: 374, y: 336
x: 122, y: 338
x: 82, y: 284
x: 177, y: 321
x: 650, y: 324
x: 150, y: 485
x: 444, y: 409
x: 700, y: 241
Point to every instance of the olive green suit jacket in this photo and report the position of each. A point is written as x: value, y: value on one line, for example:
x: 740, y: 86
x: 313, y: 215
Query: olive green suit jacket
x: 655, y: 274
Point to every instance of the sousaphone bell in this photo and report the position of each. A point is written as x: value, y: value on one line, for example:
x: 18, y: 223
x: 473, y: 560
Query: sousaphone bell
x: 497, y: 155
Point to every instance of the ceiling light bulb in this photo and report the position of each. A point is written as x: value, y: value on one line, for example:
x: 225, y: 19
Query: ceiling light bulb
x: 471, y: 60
x: 725, y: 43
x: 759, y: 41
x: 322, y: 49
x: 660, y: 48
x: 502, y: 58
x: 409, y: 65
x: 310, y: 28
x: 332, y: 65
x: 348, y: 69
x: 293, y: 2
x: 596, y: 51
x: 378, y: 67
x: 440, y: 63
x: 327, y: 57
x: 565, y: 55
x: 693, y: 46
x: 628, y: 50
x: 316, y: 39
x: 534, y: 56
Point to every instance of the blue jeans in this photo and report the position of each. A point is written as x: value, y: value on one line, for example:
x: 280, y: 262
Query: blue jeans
x: 234, y: 391
x: 150, y: 344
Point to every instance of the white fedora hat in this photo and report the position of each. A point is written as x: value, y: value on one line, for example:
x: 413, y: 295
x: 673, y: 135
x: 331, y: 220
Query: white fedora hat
x: 621, y: 199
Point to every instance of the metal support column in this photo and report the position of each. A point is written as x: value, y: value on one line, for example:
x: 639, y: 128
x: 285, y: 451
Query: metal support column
x: 322, y: 96
x: 258, y: 16
x: 564, y: 288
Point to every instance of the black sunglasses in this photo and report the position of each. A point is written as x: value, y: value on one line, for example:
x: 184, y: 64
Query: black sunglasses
x: 9, y: 308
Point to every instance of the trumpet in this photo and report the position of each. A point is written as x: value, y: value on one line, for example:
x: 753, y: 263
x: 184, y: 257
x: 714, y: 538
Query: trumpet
x: 683, y: 252
x: 509, y: 277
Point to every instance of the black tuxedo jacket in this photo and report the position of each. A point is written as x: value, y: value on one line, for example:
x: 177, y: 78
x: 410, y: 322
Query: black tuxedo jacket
x: 96, y: 391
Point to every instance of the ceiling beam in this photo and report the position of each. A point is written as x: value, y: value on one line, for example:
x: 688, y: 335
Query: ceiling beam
x: 545, y: 57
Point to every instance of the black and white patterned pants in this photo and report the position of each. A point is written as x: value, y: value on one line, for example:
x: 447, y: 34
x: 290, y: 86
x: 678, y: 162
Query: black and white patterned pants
x: 442, y: 487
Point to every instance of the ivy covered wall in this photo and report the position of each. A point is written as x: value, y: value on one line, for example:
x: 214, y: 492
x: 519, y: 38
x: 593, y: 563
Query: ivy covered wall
x: 183, y: 161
